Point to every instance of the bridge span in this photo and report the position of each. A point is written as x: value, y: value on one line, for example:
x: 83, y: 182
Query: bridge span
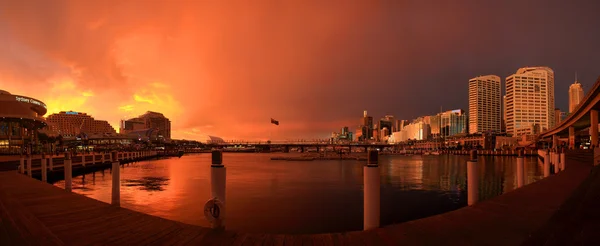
x: 584, y: 116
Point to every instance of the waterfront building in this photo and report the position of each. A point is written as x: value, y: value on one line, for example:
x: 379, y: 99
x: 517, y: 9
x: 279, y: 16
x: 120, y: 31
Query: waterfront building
x: 504, y: 142
x: 72, y: 123
x: 453, y: 122
x: 413, y: 131
x: 575, y: 95
x: 435, y: 125
x: 385, y: 132
x: 529, y: 100
x: 385, y: 123
x: 375, y: 133
x: 392, y: 122
x: 20, y: 118
x: 134, y: 124
x: 149, y: 120
x: 358, y: 134
x: 482, y: 141
x: 485, y: 100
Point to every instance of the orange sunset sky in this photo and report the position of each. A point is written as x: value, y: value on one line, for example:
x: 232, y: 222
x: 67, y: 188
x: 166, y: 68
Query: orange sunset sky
x: 224, y: 68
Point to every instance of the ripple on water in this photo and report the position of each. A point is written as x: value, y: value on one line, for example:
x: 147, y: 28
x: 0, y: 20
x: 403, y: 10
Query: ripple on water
x: 148, y: 183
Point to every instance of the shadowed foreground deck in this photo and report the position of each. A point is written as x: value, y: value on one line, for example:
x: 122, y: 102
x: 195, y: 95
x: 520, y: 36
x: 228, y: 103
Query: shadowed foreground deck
x: 35, y: 213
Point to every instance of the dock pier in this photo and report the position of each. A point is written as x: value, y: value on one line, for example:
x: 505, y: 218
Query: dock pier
x: 33, y: 212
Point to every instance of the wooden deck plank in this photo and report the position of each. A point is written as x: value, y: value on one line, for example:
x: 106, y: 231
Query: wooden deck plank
x: 29, y: 226
x: 144, y: 233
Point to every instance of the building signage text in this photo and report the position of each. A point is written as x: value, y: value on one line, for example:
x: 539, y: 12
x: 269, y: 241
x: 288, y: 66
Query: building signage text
x: 29, y: 100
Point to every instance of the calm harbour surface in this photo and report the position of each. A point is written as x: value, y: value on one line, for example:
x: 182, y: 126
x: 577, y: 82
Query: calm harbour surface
x: 268, y: 196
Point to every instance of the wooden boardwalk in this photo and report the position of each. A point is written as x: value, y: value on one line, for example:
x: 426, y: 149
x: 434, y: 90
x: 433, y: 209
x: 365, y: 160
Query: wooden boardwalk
x: 35, y: 213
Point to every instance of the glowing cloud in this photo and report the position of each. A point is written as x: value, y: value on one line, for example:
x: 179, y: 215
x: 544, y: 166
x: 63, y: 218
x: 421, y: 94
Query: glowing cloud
x: 139, y: 98
x: 126, y: 108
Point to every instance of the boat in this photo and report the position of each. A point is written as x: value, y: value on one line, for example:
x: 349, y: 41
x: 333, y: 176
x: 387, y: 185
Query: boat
x: 426, y: 153
x: 435, y: 153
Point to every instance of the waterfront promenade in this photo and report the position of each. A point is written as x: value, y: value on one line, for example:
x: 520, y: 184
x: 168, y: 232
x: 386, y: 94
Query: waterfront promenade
x: 36, y: 213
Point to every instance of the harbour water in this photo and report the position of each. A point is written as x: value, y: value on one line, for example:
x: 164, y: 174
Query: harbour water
x: 269, y: 196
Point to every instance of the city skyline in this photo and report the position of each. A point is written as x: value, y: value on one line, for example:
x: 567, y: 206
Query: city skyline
x: 312, y: 69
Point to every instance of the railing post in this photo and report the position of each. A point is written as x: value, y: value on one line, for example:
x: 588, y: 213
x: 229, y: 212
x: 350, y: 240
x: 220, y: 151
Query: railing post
x: 44, y: 168
x: 68, y: 172
x: 29, y: 163
x: 83, y: 159
x: 372, y: 192
x: 472, y: 179
x: 93, y: 158
x: 102, y: 159
x: 520, y: 169
x: 594, y: 128
x: 218, y: 178
x: 116, y: 179
x: 22, y: 164
x: 51, y: 162
x: 547, y: 164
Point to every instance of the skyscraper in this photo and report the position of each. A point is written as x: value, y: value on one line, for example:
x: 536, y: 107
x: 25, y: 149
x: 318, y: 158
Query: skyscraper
x: 367, y: 125
x: 504, y: 113
x: 530, y: 101
x: 575, y: 95
x: 557, y: 116
x: 485, y: 104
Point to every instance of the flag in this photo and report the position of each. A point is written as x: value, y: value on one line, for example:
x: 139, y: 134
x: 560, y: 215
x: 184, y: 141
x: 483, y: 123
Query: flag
x: 273, y: 121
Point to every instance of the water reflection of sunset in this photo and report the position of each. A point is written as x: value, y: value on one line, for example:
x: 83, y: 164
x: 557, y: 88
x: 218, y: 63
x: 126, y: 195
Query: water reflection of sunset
x: 286, y: 196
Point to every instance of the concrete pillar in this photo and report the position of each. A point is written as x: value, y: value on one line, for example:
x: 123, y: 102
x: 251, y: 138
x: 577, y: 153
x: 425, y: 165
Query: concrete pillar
x: 594, y: 127
x: 571, y: 137
x: 68, y: 172
x: 547, y: 164
x: 562, y: 160
x: 554, y: 141
x: 472, y: 179
x: 116, y: 180
x: 22, y: 165
x: 371, y: 199
x: 102, y: 159
x: 44, y: 168
x: 218, y: 178
x: 50, y: 162
x: 556, y: 161
x: 520, y: 169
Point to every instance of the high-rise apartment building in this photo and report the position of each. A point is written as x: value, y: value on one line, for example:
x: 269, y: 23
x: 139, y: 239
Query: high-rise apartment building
x: 504, y: 113
x: 149, y: 120
x: 485, y: 104
x: 73, y: 123
x: 557, y: 116
x: 530, y: 101
x: 575, y: 95
x: 367, y: 126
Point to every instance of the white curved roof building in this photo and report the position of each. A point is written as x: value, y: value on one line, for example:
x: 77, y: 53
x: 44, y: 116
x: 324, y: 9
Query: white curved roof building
x: 210, y: 139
